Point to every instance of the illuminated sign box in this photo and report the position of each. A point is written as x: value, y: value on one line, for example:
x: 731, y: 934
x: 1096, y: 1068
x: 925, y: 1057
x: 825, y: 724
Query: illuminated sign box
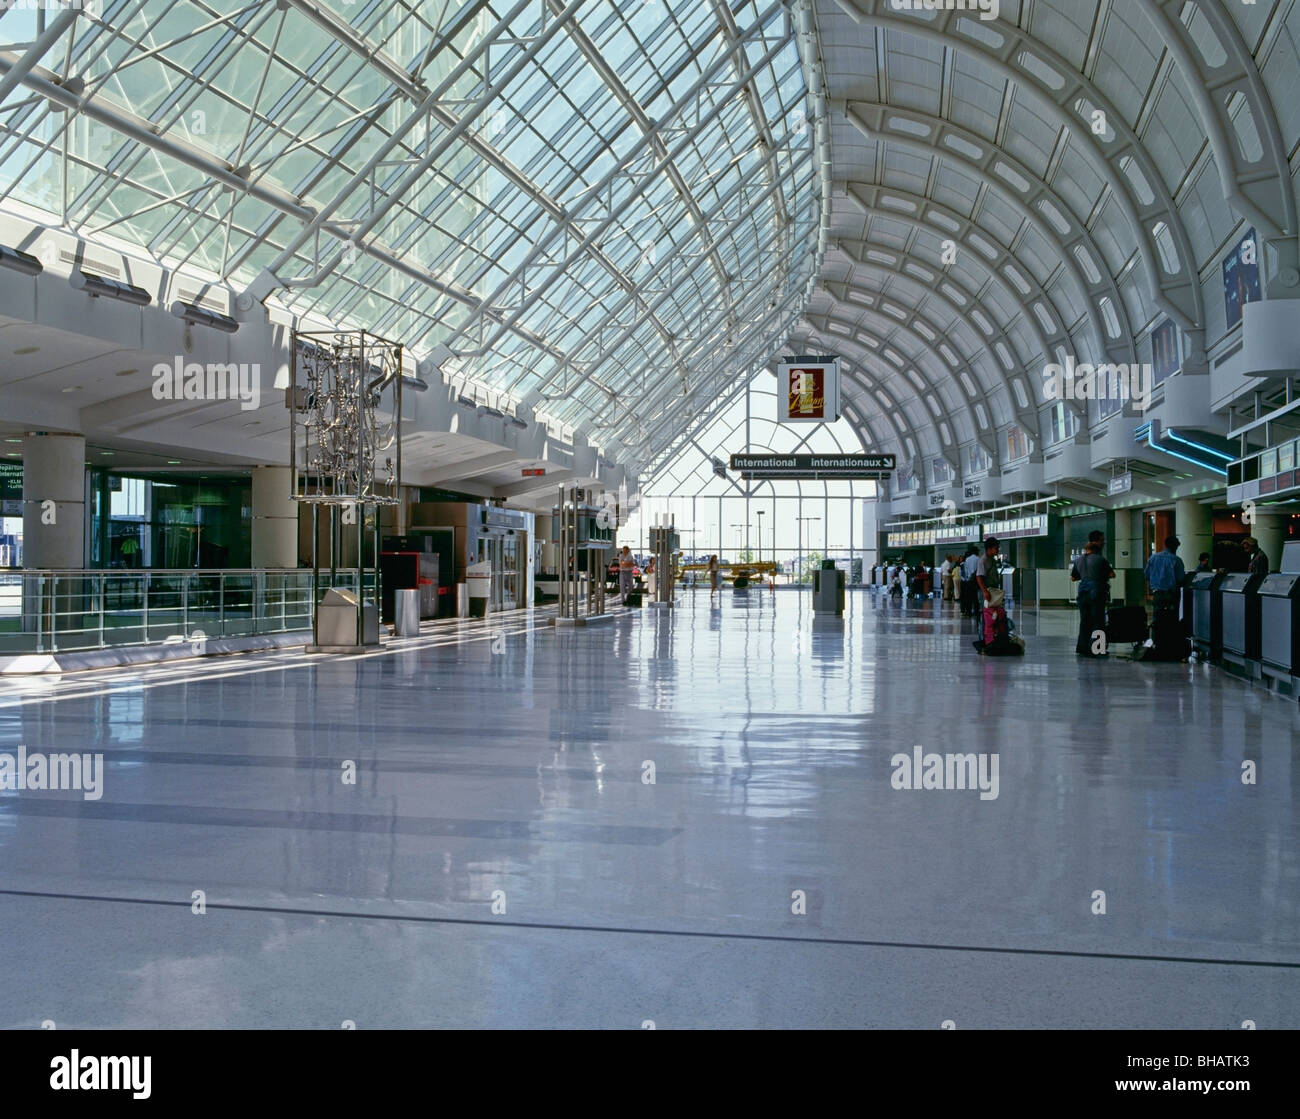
x: 808, y: 391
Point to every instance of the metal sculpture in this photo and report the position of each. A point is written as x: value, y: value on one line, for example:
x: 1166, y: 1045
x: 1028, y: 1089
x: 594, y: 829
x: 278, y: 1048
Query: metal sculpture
x: 345, y: 412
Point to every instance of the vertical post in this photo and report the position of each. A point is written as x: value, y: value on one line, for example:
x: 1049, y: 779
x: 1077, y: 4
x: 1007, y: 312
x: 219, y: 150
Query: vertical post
x: 315, y: 569
x: 101, y: 609
x: 361, y: 575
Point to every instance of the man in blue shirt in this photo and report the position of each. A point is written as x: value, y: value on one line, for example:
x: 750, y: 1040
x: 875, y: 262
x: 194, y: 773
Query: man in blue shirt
x: 1165, y: 572
x: 1165, y: 578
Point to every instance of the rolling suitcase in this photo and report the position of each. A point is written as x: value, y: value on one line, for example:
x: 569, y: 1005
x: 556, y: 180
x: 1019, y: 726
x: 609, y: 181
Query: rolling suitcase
x: 1126, y: 625
x: 1168, y: 636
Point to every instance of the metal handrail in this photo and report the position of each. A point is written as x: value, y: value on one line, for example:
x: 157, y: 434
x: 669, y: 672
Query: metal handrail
x: 61, y: 609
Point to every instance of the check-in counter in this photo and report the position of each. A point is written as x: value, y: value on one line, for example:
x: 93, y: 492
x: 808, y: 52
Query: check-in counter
x: 1207, y: 617
x: 1055, y: 587
x: 1279, y: 603
x: 1239, y: 605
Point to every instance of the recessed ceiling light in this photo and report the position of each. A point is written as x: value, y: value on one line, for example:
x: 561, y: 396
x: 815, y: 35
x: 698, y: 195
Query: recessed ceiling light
x: 27, y: 350
x: 106, y: 452
x: 13, y: 440
x: 72, y: 388
x: 125, y: 372
x: 253, y: 423
x: 173, y: 462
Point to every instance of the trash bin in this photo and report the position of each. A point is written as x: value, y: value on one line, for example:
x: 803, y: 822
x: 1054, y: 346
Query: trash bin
x: 336, y: 619
x: 828, y: 589
x: 478, y: 577
x: 406, y: 613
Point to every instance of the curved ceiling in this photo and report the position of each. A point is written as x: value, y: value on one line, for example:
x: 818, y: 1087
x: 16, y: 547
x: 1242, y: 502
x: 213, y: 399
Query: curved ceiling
x: 1054, y: 181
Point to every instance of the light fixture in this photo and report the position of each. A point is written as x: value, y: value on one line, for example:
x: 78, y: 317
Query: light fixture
x: 71, y: 388
x: 23, y: 351
x: 419, y: 384
x: 201, y: 316
x: 173, y: 462
x: 20, y: 261
x: 125, y: 372
x: 95, y: 286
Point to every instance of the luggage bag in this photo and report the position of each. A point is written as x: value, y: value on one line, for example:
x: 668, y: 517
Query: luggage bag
x: 1126, y: 625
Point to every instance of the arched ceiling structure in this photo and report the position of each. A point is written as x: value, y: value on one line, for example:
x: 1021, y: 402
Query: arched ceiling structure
x: 1041, y: 179
x: 612, y: 212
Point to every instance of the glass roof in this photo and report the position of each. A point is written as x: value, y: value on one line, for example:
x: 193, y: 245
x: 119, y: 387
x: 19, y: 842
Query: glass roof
x: 596, y: 205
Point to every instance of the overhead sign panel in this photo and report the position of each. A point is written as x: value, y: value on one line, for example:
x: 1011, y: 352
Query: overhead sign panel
x: 809, y: 390
x: 813, y: 467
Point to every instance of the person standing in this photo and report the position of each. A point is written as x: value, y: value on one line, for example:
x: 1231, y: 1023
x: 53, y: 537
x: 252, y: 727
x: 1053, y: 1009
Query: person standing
x: 986, y: 572
x: 1093, y: 572
x: 1166, y: 577
x: 945, y: 579
x: 1203, y: 563
x: 714, y: 577
x: 1258, y: 560
x: 626, y: 570
x: 969, y: 591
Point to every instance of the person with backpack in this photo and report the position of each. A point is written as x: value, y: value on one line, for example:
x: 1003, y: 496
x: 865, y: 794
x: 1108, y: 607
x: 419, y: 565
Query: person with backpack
x: 1093, y: 572
x: 987, y: 569
x: 997, y: 636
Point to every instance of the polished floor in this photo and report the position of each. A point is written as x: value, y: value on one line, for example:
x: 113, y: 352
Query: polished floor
x: 686, y: 820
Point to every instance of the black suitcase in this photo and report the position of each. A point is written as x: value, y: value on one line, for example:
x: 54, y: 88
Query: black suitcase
x: 1169, y: 637
x: 1126, y: 625
x: 633, y: 599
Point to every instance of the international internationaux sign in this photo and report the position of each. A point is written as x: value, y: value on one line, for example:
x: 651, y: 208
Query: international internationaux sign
x: 808, y: 390
x: 813, y: 467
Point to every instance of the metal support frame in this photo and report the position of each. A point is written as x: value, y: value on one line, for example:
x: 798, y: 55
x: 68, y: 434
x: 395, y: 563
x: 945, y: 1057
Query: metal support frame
x: 996, y: 167
x: 1177, y: 292
x: 911, y: 270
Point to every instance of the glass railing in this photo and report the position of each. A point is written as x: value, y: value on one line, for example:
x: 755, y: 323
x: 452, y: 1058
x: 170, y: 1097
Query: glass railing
x: 65, y: 611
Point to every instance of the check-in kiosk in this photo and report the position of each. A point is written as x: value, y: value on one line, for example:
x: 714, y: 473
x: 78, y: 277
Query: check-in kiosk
x: 1207, y: 617
x: 1011, y: 584
x: 1239, y: 604
x: 1279, y: 636
x: 1279, y: 621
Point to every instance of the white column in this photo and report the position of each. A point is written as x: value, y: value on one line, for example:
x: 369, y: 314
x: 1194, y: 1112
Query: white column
x: 1194, y: 527
x: 54, y: 501
x: 275, y: 518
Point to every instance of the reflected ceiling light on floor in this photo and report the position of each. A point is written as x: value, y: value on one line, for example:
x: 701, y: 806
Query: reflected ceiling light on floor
x: 201, y: 316
x: 95, y: 286
x: 20, y: 261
